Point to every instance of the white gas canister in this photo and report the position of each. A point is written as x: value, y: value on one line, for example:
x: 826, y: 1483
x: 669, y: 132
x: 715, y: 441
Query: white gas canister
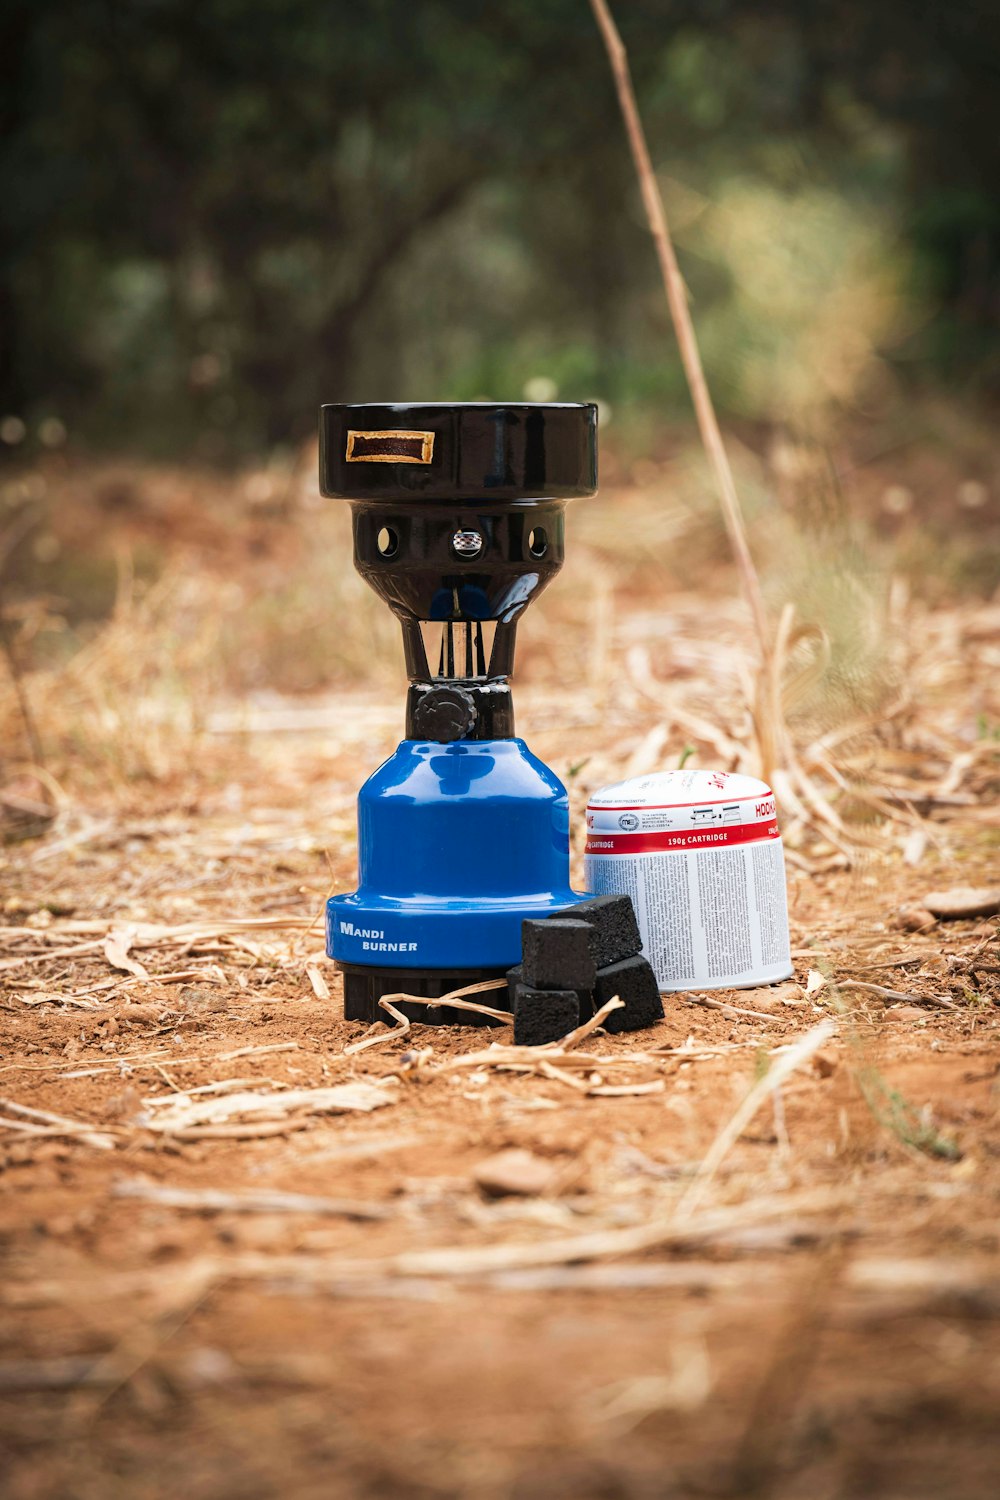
x: 700, y: 854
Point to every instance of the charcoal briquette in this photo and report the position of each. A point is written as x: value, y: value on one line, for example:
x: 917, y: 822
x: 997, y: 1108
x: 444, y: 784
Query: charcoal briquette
x: 542, y: 1016
x: 557, y: 954
x: 616, y: 931
x: 514, y: 977
x: 634, y: 982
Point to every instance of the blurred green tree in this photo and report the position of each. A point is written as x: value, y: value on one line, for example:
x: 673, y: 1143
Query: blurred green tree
x: 214, y: 214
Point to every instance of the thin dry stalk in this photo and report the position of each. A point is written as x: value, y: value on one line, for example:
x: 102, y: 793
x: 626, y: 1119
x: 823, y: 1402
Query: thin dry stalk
x: 115, y: 1369
x: 786, y: 1064
x: 243, y: 1131
x: 726, y: 1007
x: 546, y: 1070
x: 141, y: 1058
x: 186, y: 935
x: 207, y: 1201
x: 453, y: 998
x: 317, y: 982
x: 775, y: 685
x: 550, y: 1054
x: 677, y: 299
x: 517, y: 1059
x: 684, y: 1053
x: 626, y: 1090
x: 448, y: 1261
x: 692, y: 1276
x: 778, y: 1390
x: 604, y: 1244
x: 177, y: 1113
x: 574, y: 1038
x: 219, y: 1086
x: 20, y: 692
x: 267, y: 1048
x: 897, y: 995
x: 78, y: 1128
x: 401, y: 1028
x: 24, y: 1127
x: 887, y: 1288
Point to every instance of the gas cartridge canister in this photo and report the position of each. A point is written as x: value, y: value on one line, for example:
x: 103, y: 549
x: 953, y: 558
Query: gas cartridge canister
x: 700, y: 854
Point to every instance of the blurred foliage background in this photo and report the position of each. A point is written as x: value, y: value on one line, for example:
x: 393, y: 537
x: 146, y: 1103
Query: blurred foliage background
x: 215, y: 214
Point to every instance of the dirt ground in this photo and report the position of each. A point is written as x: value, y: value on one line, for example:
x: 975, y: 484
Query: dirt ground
x: 805, y: 1305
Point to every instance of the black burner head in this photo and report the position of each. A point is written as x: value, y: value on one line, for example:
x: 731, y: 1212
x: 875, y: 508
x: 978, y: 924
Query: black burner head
x: 458, y: 510
x: 467, y: 452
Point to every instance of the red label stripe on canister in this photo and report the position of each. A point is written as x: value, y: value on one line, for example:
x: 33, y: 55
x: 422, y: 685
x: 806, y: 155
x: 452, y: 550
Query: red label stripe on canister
x: 687, y: 838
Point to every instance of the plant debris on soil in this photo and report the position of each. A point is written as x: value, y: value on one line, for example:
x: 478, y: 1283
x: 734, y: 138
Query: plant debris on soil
x: 751, y: 1250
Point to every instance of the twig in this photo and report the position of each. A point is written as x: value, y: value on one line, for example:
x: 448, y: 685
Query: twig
x: 401, y: 1028
x: 597, y: 1019
x: 24, y: 707
x: 782, y: 1068
x: 78, y: 1128
x: 770, y: 693
x: 779, y: 1388
x: 116, y: 1368
x: 546, y: 1070
x: 626, y: 1090
x: 247, y: 1130
x: 448, y: 1261
x: 881, y: 1288
x: 220, y: 1086
x: 677, y: 298
x: 693, y: 1276
x: 320, y: 988
x: 453, y: 998
x: 179, y: 1113
x: 24, y: 1127
x: 899, y: 995
x: 140, y: 1059
x: 603, y: 1244
x: 208, y: 1201
x: 724, y: 1005
x: 268, y: 1047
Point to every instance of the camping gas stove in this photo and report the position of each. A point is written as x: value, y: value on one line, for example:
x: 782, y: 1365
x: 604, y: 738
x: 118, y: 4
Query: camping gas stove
x: 462, y: 832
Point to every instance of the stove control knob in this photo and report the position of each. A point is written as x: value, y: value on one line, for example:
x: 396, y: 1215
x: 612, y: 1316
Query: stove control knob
x: 445, y: 714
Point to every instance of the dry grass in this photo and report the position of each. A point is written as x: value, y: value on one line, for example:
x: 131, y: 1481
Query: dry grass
x: 197, y: 1247
x: 878, y: 712
x: 214, y: 1284
x: 136, y: 704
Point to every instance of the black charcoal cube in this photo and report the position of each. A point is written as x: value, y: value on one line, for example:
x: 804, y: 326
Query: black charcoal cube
x: 634, y: 982
x: 542, y: 1016
x: 616, y: 931
x: 556, y: 954
x: 514, y: 978
x: 586, y: 999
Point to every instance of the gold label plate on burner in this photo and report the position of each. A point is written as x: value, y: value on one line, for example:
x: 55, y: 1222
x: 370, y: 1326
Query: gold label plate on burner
x: 399, y: 447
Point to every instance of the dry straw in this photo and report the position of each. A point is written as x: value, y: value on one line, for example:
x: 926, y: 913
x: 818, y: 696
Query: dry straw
x: 677, y: 299
x: 774, y: 685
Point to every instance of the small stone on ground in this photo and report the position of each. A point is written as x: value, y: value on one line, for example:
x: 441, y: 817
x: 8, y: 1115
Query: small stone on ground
x: 913, y: 919
x: 515, y: 1173
x: 964, y: 901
